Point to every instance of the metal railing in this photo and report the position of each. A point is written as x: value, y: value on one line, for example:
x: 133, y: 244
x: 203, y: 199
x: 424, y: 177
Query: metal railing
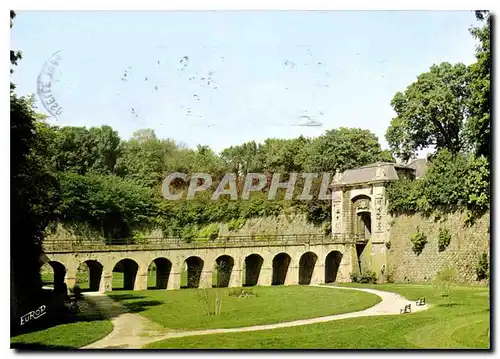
x: 256, y: 240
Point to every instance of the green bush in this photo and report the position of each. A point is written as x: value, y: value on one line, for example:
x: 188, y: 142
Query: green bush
x: 366, y: 277
x: 236, y: 224
x: 452, y: 182
x: 444, y: 239
x: 483, y: 267
x: 419, y: 240
x: 210, y: 232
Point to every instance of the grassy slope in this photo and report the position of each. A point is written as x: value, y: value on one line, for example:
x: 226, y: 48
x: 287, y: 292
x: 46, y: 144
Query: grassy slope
x: 465, y: 324
x: 185, y: 309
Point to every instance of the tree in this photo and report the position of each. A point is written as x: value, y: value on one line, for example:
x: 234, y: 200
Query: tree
x: 280, y: 155
x: 478, y: 125
x: 431, y: 112
x: 341, y: 148
x: 143, y: 158
x: 105, y: 149
x: 242, y: 159
x: 33, y: 197
x: 114, y: 206
x: 75, y: 149
x: 81, y: 150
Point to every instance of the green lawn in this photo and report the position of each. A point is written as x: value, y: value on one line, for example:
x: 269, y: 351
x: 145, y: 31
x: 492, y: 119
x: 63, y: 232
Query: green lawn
x: 464, y: 324
x: 64, y: 336
x: 186, y: 309
x: 76, y: 331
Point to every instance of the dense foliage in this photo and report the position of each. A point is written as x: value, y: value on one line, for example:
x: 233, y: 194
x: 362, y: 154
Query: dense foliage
x: 452, y: 182
x: 114, y: 186
x: 447, y: 108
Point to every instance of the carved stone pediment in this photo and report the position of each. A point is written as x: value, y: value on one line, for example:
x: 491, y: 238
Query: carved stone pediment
x: 362, y: 205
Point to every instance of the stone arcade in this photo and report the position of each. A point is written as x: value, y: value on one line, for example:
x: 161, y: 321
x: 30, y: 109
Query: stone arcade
x: 360, y: 231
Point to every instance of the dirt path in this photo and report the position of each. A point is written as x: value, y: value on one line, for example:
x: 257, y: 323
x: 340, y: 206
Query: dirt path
x: 133, y: 331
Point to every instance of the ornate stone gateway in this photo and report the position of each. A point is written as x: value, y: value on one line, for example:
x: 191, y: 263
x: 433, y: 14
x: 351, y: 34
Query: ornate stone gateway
x: 359, y: 214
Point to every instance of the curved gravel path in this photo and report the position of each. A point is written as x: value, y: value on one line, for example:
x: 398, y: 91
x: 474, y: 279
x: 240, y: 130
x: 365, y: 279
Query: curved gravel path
x: 132, y: 331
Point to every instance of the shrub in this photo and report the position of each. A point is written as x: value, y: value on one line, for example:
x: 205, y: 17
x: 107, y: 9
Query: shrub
x: 419, y: 240
x: 366, y: 277
x: 211, y: 232
x: 388, y: 245
x: 444, y: 239
x: 482, y: 268
x: 236, y: 224
x: 188, y: 233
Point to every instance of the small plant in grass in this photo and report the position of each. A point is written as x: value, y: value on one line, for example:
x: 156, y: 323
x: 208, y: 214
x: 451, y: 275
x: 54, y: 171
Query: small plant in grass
x: 419, y: 240
x: 444, y: 239
x: 242, y: 293
x: 445, y: 281
x: 483, y: 267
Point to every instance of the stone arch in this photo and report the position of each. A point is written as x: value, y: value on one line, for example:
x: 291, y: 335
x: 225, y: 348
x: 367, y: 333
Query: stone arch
x: 253, y: 265
x: 223, y: 266
x: 128, y: 268
x: 56, y: 278
x: 361, y: 214
x: 307, y: 263
x: 194, y: 269
x: 88, y: 275
x: 161, y: 267
x: 332, y: 264
x: 281, y: 262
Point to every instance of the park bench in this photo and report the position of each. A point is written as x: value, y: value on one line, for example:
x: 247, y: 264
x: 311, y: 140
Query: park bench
x: 421, y: 301
x: 407, y: 309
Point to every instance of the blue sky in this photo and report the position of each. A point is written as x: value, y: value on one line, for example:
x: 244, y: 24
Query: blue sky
x: 266, y: 69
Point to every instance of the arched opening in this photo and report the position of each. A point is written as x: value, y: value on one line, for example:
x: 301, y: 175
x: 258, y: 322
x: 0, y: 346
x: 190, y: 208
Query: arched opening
x: 306, y: 267
x: 53, y: 274
x: 88, y: 275
x: 253, y: 264
x: 124, y: 274
x: 281, y: 262
x: 332, y: 264
x: 159, y: 273
x: 194, y: 267
x: 362, y: 226
x: 223, y: 268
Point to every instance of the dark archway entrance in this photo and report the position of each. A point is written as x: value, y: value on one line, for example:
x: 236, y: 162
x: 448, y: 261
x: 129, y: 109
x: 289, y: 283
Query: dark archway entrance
x: 223, y: 266
x: 53, y: 274
x: 194, y: 269
x: 124, y: 274
x: 360, y: 247
x: 253, y: 264
x: 159, y: 271
x: 306, y: 267
x: 332, y: 264
x: 88, y: 275
x: 281, y: 262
